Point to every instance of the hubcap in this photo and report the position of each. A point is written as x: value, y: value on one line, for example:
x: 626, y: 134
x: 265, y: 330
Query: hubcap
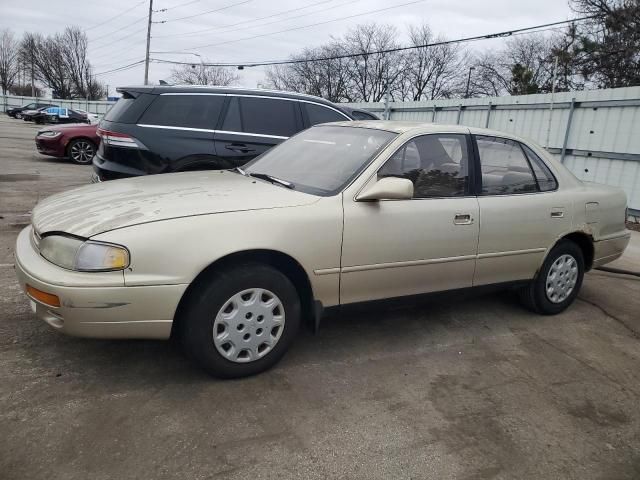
x: 82, y: 152
x: 248, y: 325
x: 562, y: 278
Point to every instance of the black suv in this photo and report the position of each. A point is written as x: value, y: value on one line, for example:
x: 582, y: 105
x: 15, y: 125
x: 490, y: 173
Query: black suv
x: 161, y: 129
x: 16, y: 112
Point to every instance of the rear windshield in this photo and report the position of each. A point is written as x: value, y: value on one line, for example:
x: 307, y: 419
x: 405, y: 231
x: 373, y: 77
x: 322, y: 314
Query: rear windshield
x: 121, y: 106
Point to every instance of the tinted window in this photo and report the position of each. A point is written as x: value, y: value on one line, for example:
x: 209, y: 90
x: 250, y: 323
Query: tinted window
x: 322, y: 160
x: 193, y: 111
x: 438, y: 165
x: 504, y: 167
x: 546, y: 181
x: 319, y: 114
x: 232, y: 121
x: 360, y: 115
x: 268, y: 116
x: 118, y: 108
x: 31, y: 106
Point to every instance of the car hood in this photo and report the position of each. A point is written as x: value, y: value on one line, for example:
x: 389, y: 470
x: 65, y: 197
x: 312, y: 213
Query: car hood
x: 97, y: 208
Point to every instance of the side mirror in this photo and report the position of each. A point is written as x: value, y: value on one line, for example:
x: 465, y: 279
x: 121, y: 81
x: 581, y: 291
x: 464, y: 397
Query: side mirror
x: 388, y: 188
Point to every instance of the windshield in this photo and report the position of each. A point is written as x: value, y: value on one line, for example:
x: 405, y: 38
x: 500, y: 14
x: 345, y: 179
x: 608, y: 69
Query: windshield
x: 322, y: 159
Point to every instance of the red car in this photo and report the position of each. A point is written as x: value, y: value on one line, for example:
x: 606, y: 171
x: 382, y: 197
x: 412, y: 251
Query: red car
x: 78, y: 142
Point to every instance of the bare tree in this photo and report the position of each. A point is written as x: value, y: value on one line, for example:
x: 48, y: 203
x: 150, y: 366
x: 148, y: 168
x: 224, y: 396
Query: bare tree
x: 9, y: 60
x: 430, y: 72
x: 324, y: 75
x: 372, y: 73
x: 203, y: 75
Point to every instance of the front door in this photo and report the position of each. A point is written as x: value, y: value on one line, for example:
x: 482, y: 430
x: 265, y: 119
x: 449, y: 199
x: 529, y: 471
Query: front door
x: 403, y: 247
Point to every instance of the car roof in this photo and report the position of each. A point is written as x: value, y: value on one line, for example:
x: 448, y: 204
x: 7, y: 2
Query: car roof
x: 400, y: 126
x: 160, y: 89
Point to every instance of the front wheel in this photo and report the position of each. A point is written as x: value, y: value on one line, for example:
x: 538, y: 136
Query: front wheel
x: 558, y: 282
x: 81, y: 151
x: 241, y: 321
x: 18, y: 116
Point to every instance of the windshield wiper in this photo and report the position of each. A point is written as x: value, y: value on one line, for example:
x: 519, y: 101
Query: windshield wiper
x: 272, y: 179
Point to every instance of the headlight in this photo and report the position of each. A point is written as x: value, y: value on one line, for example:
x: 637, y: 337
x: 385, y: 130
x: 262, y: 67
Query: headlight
x: 83, y: 255
x: 49, y: 133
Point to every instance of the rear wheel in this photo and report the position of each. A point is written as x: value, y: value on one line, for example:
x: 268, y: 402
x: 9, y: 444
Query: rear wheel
x: 558, y: 282
x: 242, y: 321
x: 81, y: 151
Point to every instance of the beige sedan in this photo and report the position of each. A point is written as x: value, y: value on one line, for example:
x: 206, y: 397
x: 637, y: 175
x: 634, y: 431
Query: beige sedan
x: 232, y: 261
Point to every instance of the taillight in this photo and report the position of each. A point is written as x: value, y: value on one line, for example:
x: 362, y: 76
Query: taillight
x: 117, y: 139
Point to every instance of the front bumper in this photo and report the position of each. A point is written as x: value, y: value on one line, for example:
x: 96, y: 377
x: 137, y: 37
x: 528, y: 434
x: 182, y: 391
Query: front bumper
x: 95, y: 305
x: 54, y: 147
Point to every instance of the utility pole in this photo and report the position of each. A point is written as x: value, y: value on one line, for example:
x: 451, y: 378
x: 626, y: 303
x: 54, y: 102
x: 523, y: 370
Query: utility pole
x: 146, y: 60
x: 466, y: 91
x: 33, y: 84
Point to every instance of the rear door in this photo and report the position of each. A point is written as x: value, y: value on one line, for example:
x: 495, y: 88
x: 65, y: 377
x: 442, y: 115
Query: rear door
x: 254, y: 124
x: 179, y: 128
x: 522, y: 212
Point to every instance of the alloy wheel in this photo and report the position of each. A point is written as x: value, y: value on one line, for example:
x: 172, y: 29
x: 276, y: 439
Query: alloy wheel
x: 82, y: 152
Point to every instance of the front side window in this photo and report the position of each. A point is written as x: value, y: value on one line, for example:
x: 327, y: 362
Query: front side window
x: 437, y: 164
x: 191, y: 111
x: 268, y: 116
x: 504, y: 167
x: 322, y: 160
x: 319, y: 114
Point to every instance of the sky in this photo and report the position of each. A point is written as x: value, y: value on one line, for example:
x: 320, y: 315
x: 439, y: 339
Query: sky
x: 237, y: 31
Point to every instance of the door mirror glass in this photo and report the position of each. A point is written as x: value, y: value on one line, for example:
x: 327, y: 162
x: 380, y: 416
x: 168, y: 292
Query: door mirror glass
x: 388, y: 188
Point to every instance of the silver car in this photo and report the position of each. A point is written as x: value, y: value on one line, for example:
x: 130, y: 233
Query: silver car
x: 233, y: 261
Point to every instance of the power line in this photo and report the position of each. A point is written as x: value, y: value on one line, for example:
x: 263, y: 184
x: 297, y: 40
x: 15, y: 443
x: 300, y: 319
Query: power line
x: 196, y: 32
x: 506, y: 33
x: 177, y: 6
x: 115, y: 16
x: 120, y: 69
x: 207, y: 12
x: 305, y: 26
x: 118, y: 29
x: 110, y: 43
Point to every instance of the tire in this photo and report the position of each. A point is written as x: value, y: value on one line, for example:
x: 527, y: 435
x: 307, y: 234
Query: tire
x: 228, y: 338
x: 558, y: 282
x: 81, y: 151
x: 18, y: 116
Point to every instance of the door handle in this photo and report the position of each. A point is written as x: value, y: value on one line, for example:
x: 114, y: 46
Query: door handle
x: 462, y: 219
x: 557, y: 214
x: 238, y: 147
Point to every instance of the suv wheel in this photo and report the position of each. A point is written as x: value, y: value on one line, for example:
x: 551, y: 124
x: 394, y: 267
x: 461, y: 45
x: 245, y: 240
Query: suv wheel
x: 558, y: 282
x: 242, y: 321
x: 81, y: 151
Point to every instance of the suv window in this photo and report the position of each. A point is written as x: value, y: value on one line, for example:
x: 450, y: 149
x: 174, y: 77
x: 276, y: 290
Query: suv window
x: 438, y: 165
x: 544, y: 177
x: 319, y: 114
x: 504, y: 167
x: 192, y: 111
x: 268, y: 116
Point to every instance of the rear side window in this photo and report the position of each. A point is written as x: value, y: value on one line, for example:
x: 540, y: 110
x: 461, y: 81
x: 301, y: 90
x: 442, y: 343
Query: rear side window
x: 546, y: 180
x: 189, y: 111
x: 119, y: 108
x: 319, y: 114
x: 360, y: 115
x: 505, y: 170
x: 268, y: 116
